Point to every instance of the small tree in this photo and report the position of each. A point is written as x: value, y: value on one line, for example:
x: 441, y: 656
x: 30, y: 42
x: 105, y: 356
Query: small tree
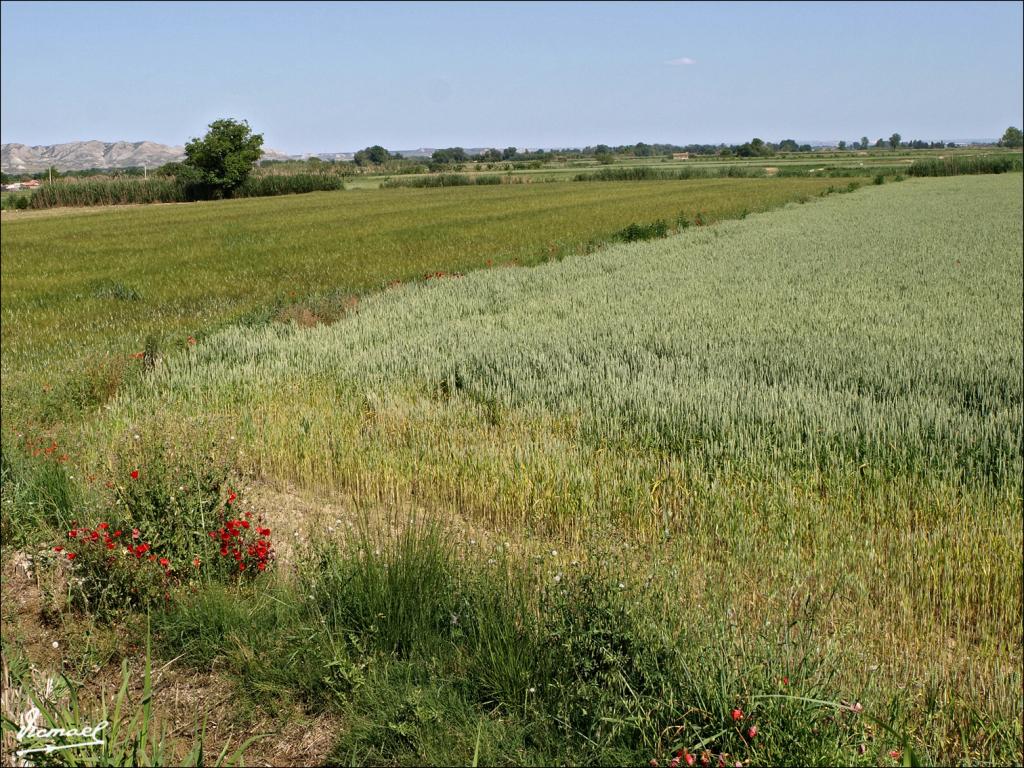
x: 1012, y: 138
x: 842, y: 145
x: 894, y: 140
x: 224, y: 158
x: 375, y: 155
x: 865, y: 142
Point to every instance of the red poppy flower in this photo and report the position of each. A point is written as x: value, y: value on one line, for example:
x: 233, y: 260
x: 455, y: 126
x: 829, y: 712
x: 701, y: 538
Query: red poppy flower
x: 164, y: 562
x: 135, y: 474
x: 737, y: 715
x: 58, y: 549
x: 72, y: 555
x: 196, y: 561
x: 752, y: 732
x: 72, y: 534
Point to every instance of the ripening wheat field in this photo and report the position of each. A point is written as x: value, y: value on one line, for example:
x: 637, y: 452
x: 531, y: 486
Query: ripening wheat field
x: 720, y: 492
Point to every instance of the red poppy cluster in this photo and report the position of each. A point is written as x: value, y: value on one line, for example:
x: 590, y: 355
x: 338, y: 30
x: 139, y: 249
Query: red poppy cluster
x: 439, y: 275
x: 249, y: 547
x: 39, y: 448
x: 103, y: 536
x: 707, y: 758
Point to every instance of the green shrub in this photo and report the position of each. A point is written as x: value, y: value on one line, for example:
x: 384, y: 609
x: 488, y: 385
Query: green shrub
x: 288, y: 184
x: 647, y: 173
x: 643, y: 231
x: 170, y: 481
x: 959, y: 165
x: 447, y: 180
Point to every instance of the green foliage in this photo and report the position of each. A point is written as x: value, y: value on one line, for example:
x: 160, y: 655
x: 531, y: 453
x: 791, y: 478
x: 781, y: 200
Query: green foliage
x: 450, y: 156
x: 643, y: 231
x: 112, y: 571
x: 1012, y: 138
x: 225, y: 156
x: 170, y: 481
x: 957, y: 166
x: 449, y: 180
x: 125, y: 191
x: 647, y: 173
x: 37, y: 494
x: 433, y: 657
x: 757, y: 148
x: 268, y: 185
x: 375, y: 155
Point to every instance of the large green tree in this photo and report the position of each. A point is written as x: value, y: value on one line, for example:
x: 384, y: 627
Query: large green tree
x: 1012, y: 138
x: 225, y: 156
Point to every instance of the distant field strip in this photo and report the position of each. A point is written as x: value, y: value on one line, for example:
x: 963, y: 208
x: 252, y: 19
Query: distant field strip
x: 192, y: 267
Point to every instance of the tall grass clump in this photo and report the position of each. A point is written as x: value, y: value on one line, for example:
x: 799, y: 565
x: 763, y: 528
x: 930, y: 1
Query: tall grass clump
x: 648, y: 173
x: 957, y: 166
x: 269, y: 185
x: 447, y: 180
x: 120, y: 191
x: 74, y: 192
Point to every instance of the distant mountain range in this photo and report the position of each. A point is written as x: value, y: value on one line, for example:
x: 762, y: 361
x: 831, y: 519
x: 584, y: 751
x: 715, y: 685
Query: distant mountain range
x: 83, y: 155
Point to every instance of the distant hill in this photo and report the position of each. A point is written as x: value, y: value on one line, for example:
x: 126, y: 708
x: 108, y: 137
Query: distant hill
x: 83, y: 155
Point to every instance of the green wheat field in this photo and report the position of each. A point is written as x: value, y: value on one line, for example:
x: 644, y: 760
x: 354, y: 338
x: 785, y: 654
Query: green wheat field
x: 458, y: 476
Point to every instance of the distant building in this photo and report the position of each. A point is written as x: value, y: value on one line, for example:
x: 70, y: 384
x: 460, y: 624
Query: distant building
x: 31, y: 183
x: 680, y: 155
x: 12, y: 187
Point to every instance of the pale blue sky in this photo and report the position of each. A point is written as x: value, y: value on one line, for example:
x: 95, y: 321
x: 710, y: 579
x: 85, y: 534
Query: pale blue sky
x: 338, y: 76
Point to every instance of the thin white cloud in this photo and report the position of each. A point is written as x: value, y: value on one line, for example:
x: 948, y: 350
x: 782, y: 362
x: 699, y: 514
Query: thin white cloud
x: 681, y: 61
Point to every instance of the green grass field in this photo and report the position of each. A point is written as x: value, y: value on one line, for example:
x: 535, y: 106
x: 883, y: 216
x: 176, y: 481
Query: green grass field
x: 750, y: 493
x: 81, y: 286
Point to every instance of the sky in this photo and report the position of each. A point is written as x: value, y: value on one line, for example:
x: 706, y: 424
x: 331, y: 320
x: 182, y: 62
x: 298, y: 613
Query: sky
x: 335, y: 77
